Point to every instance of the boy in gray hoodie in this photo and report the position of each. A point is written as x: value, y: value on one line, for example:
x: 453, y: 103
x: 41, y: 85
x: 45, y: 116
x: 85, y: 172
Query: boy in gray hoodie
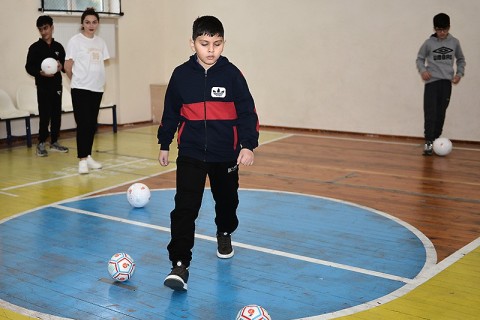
x: 435, y: 63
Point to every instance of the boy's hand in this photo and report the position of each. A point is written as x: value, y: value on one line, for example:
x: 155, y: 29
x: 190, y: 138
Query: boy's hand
x: 456, y: 79
x: 245, y: 157
x: 48, y: 75
x: 426, y: 75
x: 163, y: 158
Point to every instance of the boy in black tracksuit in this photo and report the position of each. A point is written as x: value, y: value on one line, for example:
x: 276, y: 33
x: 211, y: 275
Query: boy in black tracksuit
x: 435, y: 63
x: 209, y: 102
x: 49, y: 87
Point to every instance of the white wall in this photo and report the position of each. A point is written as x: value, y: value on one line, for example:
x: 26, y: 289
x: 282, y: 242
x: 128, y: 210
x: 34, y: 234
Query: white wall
x: 322, y: 64
x: 142, y: 50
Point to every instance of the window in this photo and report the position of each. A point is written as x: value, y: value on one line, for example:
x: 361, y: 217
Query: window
x: 107, y: 7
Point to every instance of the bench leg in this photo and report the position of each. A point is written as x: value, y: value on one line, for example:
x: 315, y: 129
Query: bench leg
x: 29, y: 132
x: 114, y: 118
x: 9, y: 132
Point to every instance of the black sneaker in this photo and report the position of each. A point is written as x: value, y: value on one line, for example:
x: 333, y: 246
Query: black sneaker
x: 178, y: 277
x: 41, y: 151
x: 224, y: 242
x: 428, y: 148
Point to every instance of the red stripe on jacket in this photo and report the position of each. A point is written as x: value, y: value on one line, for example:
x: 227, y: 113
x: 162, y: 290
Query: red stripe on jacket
x: 215, y: 110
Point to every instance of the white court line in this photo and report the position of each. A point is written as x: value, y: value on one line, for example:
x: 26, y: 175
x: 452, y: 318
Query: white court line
x: 421, y: 278
x: 66, y: 176
x: 8, y: 194
x: 243, y: 245
x: 430, y: 271
x: 371, y: 140
x: 429, y: 274
x: 107, y: 167
x: 26, y: 312
x: 286, y: 135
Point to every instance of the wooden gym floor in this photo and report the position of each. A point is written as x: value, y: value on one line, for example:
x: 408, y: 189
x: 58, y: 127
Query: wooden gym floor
x: 437, y: 196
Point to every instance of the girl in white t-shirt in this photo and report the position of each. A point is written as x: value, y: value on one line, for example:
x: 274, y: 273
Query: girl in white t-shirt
x: 84, y: 65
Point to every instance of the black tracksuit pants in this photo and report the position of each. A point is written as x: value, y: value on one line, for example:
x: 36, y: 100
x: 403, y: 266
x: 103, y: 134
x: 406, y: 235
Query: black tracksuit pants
x: 50, y: 112
x: 435, y: 102
x: 191, y: 179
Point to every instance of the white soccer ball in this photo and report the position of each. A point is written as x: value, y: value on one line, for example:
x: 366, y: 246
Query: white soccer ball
x: 121, y: 267
x: 138, y: 195
x: 253, y: 312
x: 49, y: 66
x: 442, y: 146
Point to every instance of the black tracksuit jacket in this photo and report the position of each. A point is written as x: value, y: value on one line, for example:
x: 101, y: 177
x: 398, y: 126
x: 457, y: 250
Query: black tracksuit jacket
x: 39, y: 51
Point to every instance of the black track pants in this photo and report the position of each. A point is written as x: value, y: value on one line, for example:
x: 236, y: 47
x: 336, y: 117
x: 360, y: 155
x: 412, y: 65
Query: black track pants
x: 50, y: 112
x: 191, y: 179
x: 435, y: 102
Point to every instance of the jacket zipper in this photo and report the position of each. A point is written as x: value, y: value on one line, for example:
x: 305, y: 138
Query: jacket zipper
x: 205, y: 115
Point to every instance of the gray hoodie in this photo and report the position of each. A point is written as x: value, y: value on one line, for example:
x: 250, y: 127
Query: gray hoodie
x: 440, y: 56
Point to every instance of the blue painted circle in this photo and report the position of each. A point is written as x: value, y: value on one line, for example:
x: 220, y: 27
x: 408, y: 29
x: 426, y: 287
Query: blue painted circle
x: 295, y: 255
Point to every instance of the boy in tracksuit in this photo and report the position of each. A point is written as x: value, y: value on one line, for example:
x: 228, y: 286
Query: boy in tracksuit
x: 49, y: 86
x: 208, y: 101
x: 435, y: 61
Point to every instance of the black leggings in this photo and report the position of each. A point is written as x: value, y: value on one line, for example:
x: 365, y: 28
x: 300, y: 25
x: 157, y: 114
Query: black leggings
x: 435, y: 102
x: 86, y: 105
x: 191, y: 178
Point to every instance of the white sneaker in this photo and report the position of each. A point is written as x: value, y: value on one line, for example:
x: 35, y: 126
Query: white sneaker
x: 92, y: 164
x: 82, y: 167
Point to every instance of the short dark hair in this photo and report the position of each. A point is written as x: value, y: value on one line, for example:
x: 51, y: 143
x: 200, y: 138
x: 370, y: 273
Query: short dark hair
x: 207, y: 25
x: 43, y: 20
x: 441, y: 20
x: 89, y: 12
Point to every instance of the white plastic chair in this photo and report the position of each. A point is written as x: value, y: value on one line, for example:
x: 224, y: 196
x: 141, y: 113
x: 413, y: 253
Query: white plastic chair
x: 9, y: 112
x: 27, y: 98
x: 67, y: 105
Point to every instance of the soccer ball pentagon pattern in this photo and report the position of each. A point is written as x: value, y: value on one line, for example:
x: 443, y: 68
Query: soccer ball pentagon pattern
x: 138, y: 195
x: 121, y: 267
x: 253, y: 312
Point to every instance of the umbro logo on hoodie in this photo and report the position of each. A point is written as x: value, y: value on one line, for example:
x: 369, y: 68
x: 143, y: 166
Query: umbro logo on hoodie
x: 443, y: 53
x: 219, y: 92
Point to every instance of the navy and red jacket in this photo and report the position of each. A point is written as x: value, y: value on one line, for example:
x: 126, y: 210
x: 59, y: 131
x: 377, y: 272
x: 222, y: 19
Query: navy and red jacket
x: 212, y: 110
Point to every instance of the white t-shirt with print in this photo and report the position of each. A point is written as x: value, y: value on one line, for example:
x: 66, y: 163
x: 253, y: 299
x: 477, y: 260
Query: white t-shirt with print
x: 88, y: 55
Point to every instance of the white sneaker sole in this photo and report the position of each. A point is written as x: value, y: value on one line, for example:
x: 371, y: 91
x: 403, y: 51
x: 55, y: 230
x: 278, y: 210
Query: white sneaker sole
x: 225, y: 256
x: 56, y: 150
x: 92, y: 164
x: 175, y: 282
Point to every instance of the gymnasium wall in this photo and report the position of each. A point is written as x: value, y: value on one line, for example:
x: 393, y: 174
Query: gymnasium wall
x: 321, y: 64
